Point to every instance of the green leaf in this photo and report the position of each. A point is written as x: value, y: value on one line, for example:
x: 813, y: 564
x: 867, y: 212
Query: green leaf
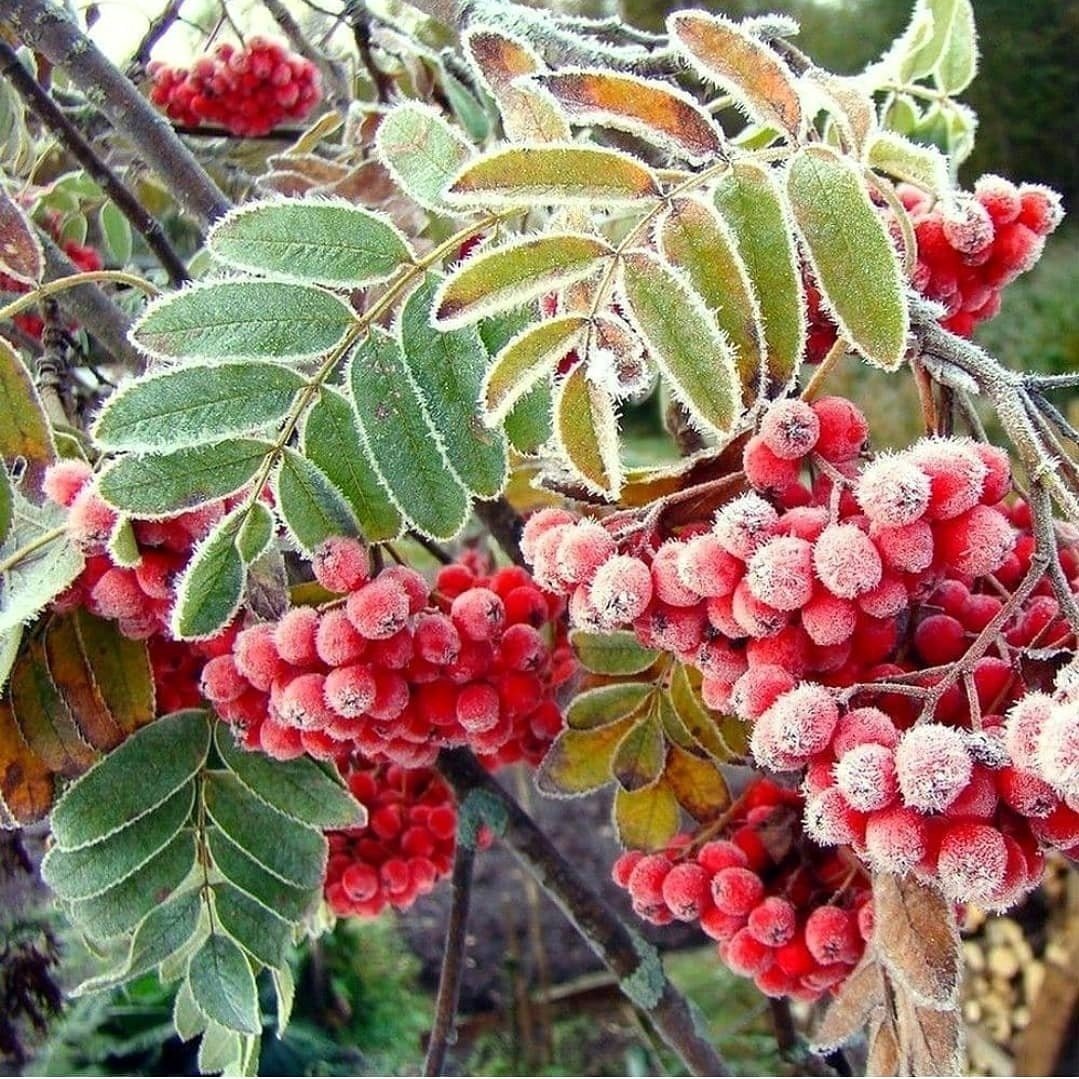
x: 255, y: 533
x: 117, y: 232
x: 212, y: 586
x: 312, y: 508
x: 186, y: 1018
x: 929, y: 45
x: 281, y: 846
x: 287, y: 900
x: 694, y: 239
x: 616, y: 654
x: 34, y: 579
x: 698, y: 785
x: 684, y: 340
x: 908, y: 160
x: 331, y: 439
x: 91, y: 870
x: 285, y: 990
x: 242, y: 320
x: 958, y: 63
x: 529, y: 425
x: 526, y: 361
x: 586, y: 433
x: 421, y: 151
x: 123, y: 546
x: 852, y: 256
x: 122, y: 907
x: 223, y: 985
x: 646, y: 819
x: 260, y: 932
x: 301, y: 789
x: 554, y: 175
x: 749, y: 201
x: 9, y: 650
x: 163, y: 932
x: 638, y: 761
x: 7, y: 504
x: 197, y: 403
x: 447, y: 367
x: 697, y: 718
x: 403, y: 445
x: 220, y: 1051
x: 579, y: 761
x: 25, y: 432
x: 158, y: 484
x: 328, y: 241
x: 132, y: 780
x: 514, y: 273
x: 606, y: 704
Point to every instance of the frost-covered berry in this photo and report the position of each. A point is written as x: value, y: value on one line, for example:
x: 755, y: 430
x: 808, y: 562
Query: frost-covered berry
x: 745, y: 524
x: 1000, y: 198
x: 621, y: 589
x: 830, y: 820
x: 799, y: 725
x: 758, y: 689
x: 908, y: 548
x: 479, y: 614
x: 790, y: 429
x: 583, y: 549
x: 892, y: 491
x: 972, y: 862
x: 956, y: 474
x: 65, y: 479
x: 975, y: 542
x: 756, y: 618
x: 90, y: 521
x: 707, y: 568
x: 539, y: 523
x: 940, y: 639
x: 967, y: 226
x: 296, y: 636
x: 829, y: 619
x: 896, y: 839
x: 831, y: 935
x: 843, y: 429
x: 350, y: 691
x: 933, y: 765
x: 737, y: 890
x: 746, y: 955
x: 624, y: 865
x: 764, y: 470
x: 340, y: 564
x: 1040, y: 208
x: 302, y: 702
x: 998, y: 476
x: 1022, y: 730
x: 847, y: 561
x: 686, y: 891
x: 1058, y: 749
x: 667, y: 583
x: 721, y: 854
x: 866, y: 777
x: 379, y: 609
x: 862, y: 726
x: 773, y: 921
x: 221, y: 681
x: 780, y: 574
x: 478, y: 707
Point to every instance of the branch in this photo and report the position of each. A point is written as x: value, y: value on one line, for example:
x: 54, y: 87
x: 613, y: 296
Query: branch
x: 453, y: 962
x: 50, y: 114
x: 337, y: 90
x: 154, y: 33
x: 633, y: 961
x: 51, y: 31
x: 505, y: 524
x: 91, y: 308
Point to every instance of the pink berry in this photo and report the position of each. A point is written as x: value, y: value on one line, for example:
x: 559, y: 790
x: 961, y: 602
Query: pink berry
x: 831, y: 821
x: 933, y: 766
x: 956, y: 474
x: 340, y: 564
x: 539, y: 523
x: 686, y: 891
x: 831, y: 935
x: 843, y: 428
x: 707, y: 568
x: 829, y: 619
x: 773, y: 921
x: 667, y: 583
x: 746, y: 955
x: 972, y: 862
x: 257, y: 658
x: 893, y: 491
x: 975, y: 542
x: 336, y: 640
x: 720, y: 854
x: 737, y: 890
x: 862, y: 726
x: 584, y: 548
x: 621, y: 589
x: 745, y: 524
x: 296, y: 636
x: 479, y: 614
x: 906, y: 549
x: 895, y: 839
x: 780, y: 573
x: 350, y: 691
x: 758, y: 689
x: 847, y: 561
x: 1058, y: 749
x: 764, y: 470
x: 379, y: 609
x: 790, y: 429
x: 64, y: 480
x: 866, y: 777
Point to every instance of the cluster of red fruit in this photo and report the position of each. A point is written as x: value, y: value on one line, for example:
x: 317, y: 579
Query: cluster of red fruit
x: 782, y: 913
x: 248, y: 90
x: 397, y: 670
x: 405, y: 848
x: 856, y: 577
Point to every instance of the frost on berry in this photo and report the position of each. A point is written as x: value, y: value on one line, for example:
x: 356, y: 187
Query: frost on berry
x: 773, y: 921
x: 479, y: 614
x: 340, y: 564
x: 847, y: 561
x: 737, y: 890
x: 843, y: 429
x: 764, y: 470
x: 336, y: 640
x: 90, y: 521
x: 780, y: 574
x: 933, y: 766
x: 350, y: 691
x: 621, y: 589
x: 956, y: 474
x: 583, y: 549
x: 967, y: 226
x: 828, y: 619
x: 972, y: 862
x: 975, y: 542
x: 667, y: 583
x: 539, y: 523
x: 892, y: 491
x: 790, y: 429
x: 896, y: 839
x: 64, y: 480
x: 720, y: 854
x: 1000, y: 198
x: 1022, y: 730
x: 1040, y: 208
x: 686, y: 891
x: 754, y: 616
x: 745, y: 524
x: 378, y: 610
x: 1058, y: 749
x: 707, y: 568
x: 296, y: 636
x: 866, y: 777
x: 831, y: 935
x: 862, y: 726
x: 830, y: 821
x: 758, y: 689
x: 907, y: 548
x: 799, y: 725
x: 746, y: 955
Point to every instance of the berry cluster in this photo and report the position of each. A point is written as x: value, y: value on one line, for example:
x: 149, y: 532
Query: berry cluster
x: 249, y: 90
x: 406, y: 847
x: 783, y: 914
x: 969, y: 249
x: 397, y: 670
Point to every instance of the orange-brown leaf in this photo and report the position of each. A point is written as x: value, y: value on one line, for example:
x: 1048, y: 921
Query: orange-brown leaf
x: 122, y: 670
x: 20, y: 249
x: 27, y: 786
x: 697, y: 783
x: 930, y: 1039
x: 885, y: 1057
x: 853, y: 1006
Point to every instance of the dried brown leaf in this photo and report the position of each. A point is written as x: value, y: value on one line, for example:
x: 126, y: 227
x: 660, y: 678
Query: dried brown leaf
x: 930, y: 1039
x: 861, y: 995
x: 885, y: 1057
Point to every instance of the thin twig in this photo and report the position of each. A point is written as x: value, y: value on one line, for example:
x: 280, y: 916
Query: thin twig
x: 634, y: 962
x: 435, y: 550
x: 50, y: 114
x: 337, y: 89
x: 453, y: 962
x: 157, y: 29
x: 215, y: 131
x: 50, y: 30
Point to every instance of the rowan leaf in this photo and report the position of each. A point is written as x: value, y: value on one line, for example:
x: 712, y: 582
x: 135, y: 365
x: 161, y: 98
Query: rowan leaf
x: 27, y: 784
x: 261, y: 933
x: 158, y: 484
x: 287, y: 900
x: 132, y: 780
x: 586, y: 433
x: 646, y: 819
x: 448, y: 367
x: 850, y: 1010
x: 21, y: 256
x: 326, y: 241
x: 25, y: 433
x: 301, y: 789
x: 684, y: 341
x: 930, y: 1038
x: 749, y: 201
x: 285, y: 990
x: 211, y: 588
x: 662, y: 115
x: 926, y: 46
x: 958, y: 63
x: 553, y: 175
x: 616, y: 654
x: 243, y: 319
x: 639, y: 759
x: 331, y: 439
x: 742, y: 65
x: 421, y: 151
x: 195, y: 404
x: 7, y: 507
x: 693, y: 238
x: 311, y: 507
x: 223, y: 985
x: 513, y: 273
x: 256, y: 532
x: 604, y: 705
x: 579, y: 761
x: 852, y: 256
x: 116, y: 229
x: 121, y: 671
x: 907, y: 160
x: 698, y: 720
x: 526, y: 361
x: 401, y: 441
x: 697, y: 783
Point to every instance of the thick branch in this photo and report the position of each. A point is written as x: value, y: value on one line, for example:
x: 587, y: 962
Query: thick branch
x: 38, y: 100
x: 50, y: 30
x: 453, y: 961
x: 632, y: 960
x: 91, y: 308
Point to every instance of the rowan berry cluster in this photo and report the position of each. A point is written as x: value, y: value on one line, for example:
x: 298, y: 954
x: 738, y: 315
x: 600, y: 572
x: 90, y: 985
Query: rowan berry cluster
x: 406, y: 846
x: 970, y: 248
x: 782, y: 913
x: 397, y: 670
x: 249, y: 90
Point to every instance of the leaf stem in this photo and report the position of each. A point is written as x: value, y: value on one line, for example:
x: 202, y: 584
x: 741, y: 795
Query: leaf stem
x: 35, y: 544
x: 51, y: 288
